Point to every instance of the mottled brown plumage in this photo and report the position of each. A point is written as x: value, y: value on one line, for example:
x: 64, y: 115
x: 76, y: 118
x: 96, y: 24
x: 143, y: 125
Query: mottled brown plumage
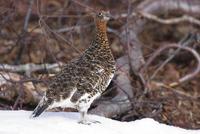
x: 83, y: 79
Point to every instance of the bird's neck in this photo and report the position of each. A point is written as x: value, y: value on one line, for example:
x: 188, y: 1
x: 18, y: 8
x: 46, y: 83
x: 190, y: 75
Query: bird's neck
x: 101, y: 32
x: 101, y: 40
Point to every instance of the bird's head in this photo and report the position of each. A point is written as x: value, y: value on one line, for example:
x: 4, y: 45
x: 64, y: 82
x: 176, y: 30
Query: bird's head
x: 103, y: 16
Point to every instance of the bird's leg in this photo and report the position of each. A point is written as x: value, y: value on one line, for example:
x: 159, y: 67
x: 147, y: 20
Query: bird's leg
x: 85, y: 120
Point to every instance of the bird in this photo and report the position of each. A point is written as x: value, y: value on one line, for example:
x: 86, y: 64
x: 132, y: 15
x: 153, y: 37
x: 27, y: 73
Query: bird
x: 83, y: 79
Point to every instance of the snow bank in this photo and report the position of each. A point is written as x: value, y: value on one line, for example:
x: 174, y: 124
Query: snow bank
x: 18, y: 122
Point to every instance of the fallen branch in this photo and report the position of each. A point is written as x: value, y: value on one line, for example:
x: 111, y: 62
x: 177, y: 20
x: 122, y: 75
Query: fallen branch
x: 29, y: 68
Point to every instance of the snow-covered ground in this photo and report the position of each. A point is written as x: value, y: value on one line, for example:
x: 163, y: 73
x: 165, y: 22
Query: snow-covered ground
x: 18, y: 122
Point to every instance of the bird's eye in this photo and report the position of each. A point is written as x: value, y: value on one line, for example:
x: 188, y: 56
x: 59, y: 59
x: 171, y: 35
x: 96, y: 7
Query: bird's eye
x: 100, y: 14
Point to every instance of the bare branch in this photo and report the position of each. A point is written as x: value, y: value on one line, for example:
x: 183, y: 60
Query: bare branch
x: 191, y: 7
x: 186, y: 77
x: 6, y: 76
x: 28, y: 15
x: 72, y: 28
x: 83, y: 5
x: 46, y: 29
x: 186, y: 41
x: 184, y: 18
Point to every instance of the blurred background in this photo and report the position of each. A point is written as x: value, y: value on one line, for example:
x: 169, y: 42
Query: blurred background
x: 155, y: 44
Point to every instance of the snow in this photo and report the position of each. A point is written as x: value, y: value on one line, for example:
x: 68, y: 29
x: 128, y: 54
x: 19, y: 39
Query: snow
x: 18, y: 122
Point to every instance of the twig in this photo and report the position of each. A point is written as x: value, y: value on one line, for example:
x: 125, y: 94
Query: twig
x: 32, y: 95
x: 8, y: 77
x: 15, y: 78
x: 187, y: 40
x: 180, y: 93
x: 64, y: 16
x: 42, y: 22
x: 83, y: 5
x: 113, y: 31
x: 19, y: 98
x: 128, y: 34
x: 73, y: 28
x: 186, y: 77
x: 21, y: 39
x: 28, y: 15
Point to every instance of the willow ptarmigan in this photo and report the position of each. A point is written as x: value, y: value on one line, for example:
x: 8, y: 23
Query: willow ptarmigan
x: 84, y: 79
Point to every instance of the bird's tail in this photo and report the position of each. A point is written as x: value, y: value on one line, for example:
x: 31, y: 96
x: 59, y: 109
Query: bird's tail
x: 42, y: 106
